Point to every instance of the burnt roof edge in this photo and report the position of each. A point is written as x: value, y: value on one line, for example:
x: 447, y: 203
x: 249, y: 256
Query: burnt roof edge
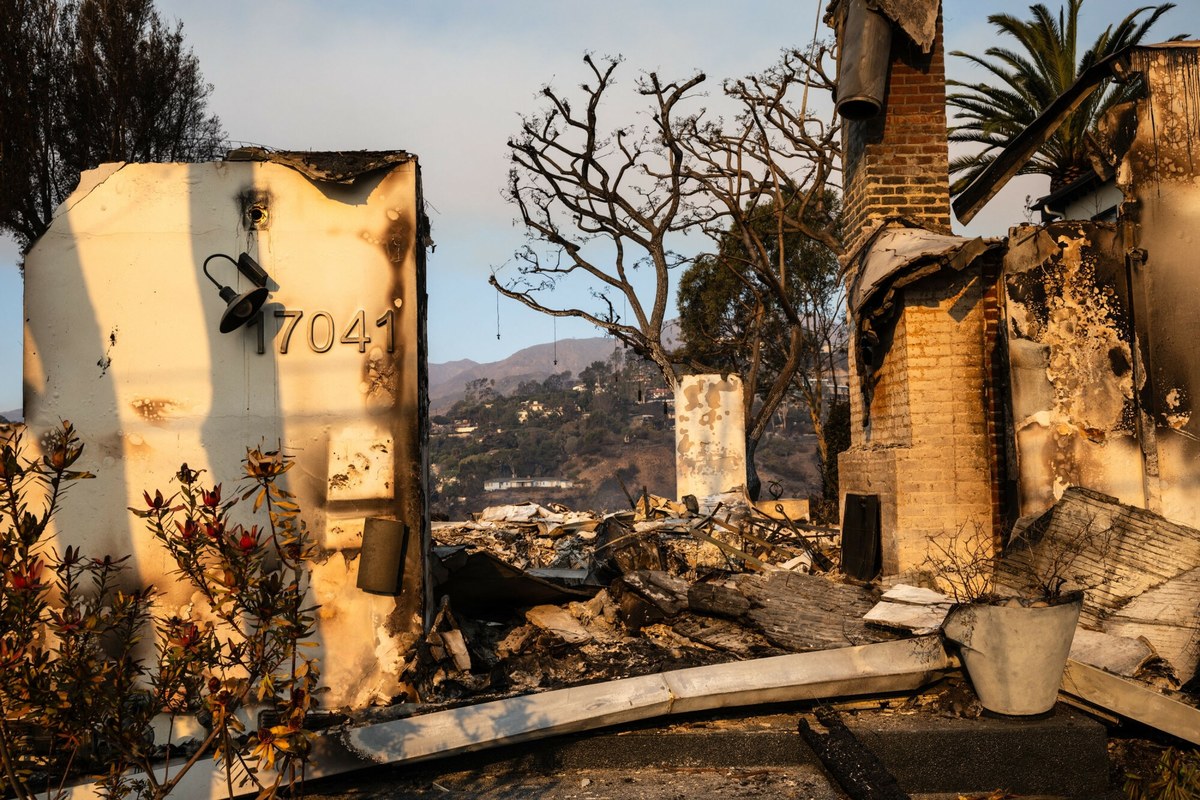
x: 331, y: 166
x: 898, y: 253
x: 916, y: 18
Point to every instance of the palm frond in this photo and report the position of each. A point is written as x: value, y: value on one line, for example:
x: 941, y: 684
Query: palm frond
x: 1037, y: 63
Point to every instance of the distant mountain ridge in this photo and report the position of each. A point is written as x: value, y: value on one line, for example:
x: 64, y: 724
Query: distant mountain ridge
x: 448, y: 380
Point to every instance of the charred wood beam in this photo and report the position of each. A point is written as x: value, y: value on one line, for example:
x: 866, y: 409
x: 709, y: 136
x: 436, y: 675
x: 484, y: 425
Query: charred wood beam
x: 1022, y: 147
x: 714, y: 598
x: 852, y: 764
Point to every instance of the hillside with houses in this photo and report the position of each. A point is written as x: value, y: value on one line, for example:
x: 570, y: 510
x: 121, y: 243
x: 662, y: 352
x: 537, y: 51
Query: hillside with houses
x: 586, y: 440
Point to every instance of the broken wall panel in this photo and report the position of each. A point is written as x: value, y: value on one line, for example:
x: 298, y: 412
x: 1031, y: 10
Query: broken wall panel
x: 1169, y: 616
x: 1140, y: 571
x: 1101, y: 330
x: 122, y: 338
x: 1158, y: 176
x: 1069, y: 328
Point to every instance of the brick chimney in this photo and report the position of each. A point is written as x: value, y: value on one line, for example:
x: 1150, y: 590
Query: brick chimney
x: 895, y: 162
x: 924, y: 449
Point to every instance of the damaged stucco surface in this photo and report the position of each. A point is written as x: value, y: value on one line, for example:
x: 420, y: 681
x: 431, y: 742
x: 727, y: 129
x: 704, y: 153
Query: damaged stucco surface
x: 1101, y: 319
x: 1160, y: 176
x: 1069, y: 332
x: 710, y: 435
x: 121, y: 338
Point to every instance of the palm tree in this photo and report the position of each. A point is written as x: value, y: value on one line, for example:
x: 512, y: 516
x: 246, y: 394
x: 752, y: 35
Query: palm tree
x: 1030, y: 77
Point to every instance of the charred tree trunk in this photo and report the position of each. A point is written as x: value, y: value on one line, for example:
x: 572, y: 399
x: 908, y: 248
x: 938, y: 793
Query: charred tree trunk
x: 753, y: 482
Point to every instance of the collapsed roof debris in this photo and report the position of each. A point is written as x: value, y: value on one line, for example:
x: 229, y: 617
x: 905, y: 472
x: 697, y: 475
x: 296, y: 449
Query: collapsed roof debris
x: 1143, y: 582
x: 673, y: 627
x: 535, y: 597
x: 897, y: 254
x: 666, y: 618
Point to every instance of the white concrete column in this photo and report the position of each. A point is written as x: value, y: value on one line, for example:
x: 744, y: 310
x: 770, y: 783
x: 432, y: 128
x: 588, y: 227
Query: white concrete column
x: 710, y: 436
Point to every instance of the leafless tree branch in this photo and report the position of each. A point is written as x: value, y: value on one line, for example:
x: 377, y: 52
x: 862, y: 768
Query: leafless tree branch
x: 607, y: 202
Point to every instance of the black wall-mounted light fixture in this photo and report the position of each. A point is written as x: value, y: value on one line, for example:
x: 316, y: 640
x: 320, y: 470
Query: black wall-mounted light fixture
x: 240, y: 308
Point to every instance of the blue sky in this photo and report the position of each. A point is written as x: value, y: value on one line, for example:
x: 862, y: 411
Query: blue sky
x: 447, y: 79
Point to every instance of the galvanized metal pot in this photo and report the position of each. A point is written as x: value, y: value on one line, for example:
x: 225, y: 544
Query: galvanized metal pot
x: 1014, y: 655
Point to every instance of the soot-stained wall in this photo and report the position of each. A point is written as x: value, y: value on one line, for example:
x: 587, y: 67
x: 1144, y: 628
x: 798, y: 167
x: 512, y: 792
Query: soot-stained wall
x: 122, y: 339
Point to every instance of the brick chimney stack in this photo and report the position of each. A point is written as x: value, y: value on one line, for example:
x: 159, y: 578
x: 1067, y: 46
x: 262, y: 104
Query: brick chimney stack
x: 922, y: 421
x: 895, y: 162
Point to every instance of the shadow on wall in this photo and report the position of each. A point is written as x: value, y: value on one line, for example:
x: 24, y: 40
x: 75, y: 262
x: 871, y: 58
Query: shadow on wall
x: 123, y: 340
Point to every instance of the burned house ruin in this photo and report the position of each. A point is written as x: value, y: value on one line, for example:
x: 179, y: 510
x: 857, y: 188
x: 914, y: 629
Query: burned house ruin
x: 989, y: 376
x: 126, y: 337
x: 992, y: 381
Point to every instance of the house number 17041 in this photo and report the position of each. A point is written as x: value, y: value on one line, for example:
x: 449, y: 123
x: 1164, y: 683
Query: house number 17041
x: 321, y: 332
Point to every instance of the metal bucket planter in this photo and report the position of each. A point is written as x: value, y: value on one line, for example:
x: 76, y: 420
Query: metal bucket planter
x: 1015, y: 655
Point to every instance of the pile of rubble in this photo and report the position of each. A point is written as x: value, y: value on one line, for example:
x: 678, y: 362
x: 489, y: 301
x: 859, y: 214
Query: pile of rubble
x: 534, y: 597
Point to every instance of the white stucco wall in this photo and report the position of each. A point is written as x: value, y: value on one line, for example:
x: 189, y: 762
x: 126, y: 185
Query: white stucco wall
x: 121, y: 338
x: 710, y: 435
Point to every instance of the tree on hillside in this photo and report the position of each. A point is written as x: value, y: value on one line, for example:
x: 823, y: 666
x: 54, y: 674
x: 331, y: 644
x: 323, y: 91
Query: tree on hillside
x: 84, y: 82
x: 608, y: 208
x: 1027, y: 78
x: 731, y: 322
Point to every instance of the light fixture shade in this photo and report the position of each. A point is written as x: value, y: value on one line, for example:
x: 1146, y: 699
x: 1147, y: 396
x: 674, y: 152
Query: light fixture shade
x: 241, y: 308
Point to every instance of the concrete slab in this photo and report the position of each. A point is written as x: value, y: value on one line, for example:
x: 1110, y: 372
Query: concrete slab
x: 1063, y: 755
x: 401, y: 783
x: 930, y: 755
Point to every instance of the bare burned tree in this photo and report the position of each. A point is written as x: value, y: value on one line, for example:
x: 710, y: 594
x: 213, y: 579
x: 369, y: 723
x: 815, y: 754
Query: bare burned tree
x: 578, y: 188
x: 769, y: 177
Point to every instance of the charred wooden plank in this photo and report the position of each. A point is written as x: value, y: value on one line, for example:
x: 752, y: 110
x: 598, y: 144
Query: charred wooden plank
x: 852, y: 764
x: 665, y: 591
x: 719, y: 599
x: 809, y: 612
x: 724, y: 635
